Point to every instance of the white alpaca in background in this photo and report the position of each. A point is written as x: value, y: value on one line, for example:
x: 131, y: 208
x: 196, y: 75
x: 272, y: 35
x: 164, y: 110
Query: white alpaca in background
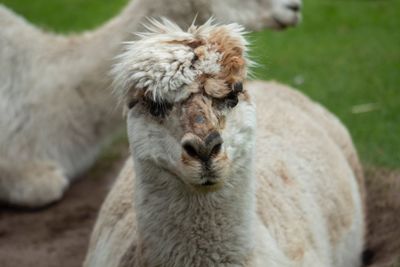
x: 55, y: 106
x: 206, y: 186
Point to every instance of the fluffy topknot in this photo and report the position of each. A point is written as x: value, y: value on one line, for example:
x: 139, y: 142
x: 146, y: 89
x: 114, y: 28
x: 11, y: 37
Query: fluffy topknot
x: 167, y: 59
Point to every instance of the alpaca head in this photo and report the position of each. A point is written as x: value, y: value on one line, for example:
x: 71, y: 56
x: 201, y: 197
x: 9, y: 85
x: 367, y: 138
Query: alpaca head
x: 259, y: 14
x: 253, y: 14
x: 188, y: 112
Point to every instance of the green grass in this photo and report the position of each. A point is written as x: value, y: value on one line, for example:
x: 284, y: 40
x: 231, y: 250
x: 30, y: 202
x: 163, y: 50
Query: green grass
x: 345, y: 53
x: 66, y: 15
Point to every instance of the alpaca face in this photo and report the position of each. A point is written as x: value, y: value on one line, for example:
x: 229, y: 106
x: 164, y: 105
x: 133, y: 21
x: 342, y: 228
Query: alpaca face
x: 197, y: 138
x: 258, y: 14
x: 189, y: 112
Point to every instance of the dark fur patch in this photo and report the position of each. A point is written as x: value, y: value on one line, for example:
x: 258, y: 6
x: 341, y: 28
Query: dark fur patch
x: 237, y: 87
x: 158, y: 109
x: 367, y: 257
x: 229, y: 101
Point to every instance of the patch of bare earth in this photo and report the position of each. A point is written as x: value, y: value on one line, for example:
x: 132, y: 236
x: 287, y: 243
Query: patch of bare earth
x: 383, y: 204
x: 58, y: 235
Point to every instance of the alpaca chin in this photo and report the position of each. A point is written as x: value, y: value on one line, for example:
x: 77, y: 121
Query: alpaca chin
x: 206, y: 179
x: 209, y: 187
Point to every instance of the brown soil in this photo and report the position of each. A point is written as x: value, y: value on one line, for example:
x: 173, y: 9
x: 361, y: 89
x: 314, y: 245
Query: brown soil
x: 58, y: 235
x: 383, y: 203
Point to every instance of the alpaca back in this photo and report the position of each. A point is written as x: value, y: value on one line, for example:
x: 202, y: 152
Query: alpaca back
x: 308, y: 196
x: 13, y: 22
x: 332, y: 125
x: 55, y: 103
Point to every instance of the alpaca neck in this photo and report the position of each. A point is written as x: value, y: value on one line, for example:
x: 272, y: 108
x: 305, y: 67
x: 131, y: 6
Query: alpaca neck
x: 103, y: 44
x: 121, y: 28
x: 106, y: 41
x: 180, y: 227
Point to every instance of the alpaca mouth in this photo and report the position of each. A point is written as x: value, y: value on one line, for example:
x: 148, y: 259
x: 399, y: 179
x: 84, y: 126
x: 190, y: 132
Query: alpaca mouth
x: 209, y: 183
x: 280, y: 25
x: 209, y: 186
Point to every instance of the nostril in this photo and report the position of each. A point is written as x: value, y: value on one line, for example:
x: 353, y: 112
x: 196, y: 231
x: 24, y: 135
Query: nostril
x: 216, y: 149
x: 294, y: 7
x: 190, y: 150
x: 203, y: 150
x: 213, y: 143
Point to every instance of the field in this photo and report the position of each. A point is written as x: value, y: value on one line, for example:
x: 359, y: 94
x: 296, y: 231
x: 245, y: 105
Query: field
x: 345, y: 54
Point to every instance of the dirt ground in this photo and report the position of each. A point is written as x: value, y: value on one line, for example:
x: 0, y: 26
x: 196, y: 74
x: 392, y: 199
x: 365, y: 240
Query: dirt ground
x: 383, y: 204
x: 58, y: 235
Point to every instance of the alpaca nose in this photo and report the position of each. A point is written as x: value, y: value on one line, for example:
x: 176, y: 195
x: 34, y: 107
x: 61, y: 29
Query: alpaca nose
x: 203, y: 150
x: 295, y: 7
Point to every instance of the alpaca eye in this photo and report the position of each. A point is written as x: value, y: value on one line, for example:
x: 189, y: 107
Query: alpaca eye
x: 237, y: 87
x: 131, y: 104
x: 159, y: 109
x: 231, y: 100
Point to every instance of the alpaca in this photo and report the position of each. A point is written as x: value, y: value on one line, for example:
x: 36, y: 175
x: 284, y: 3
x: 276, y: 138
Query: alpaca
x: 207, y: 187
x: 56, y: 110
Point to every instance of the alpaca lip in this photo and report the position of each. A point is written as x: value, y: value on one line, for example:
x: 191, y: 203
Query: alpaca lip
x: 209, y: 186
x: 280, y: 25
x: 208, y: 183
